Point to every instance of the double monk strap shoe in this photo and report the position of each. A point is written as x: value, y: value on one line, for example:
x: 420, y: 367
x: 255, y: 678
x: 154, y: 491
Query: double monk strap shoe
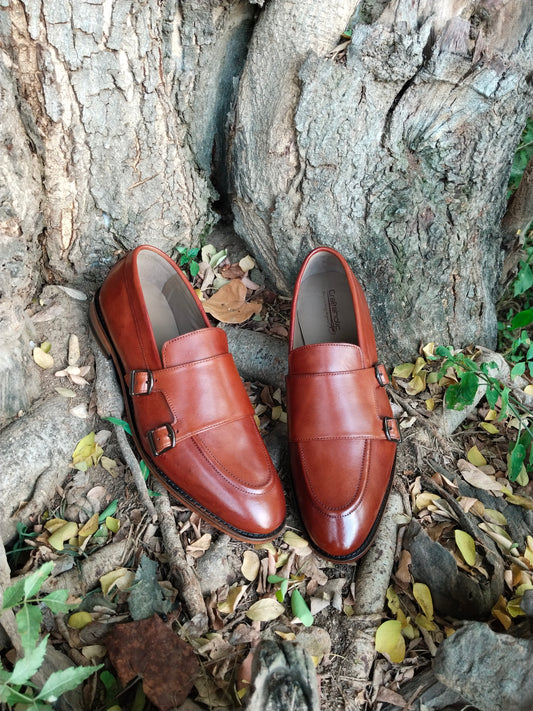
x: 342, y: 434
x: 191, y: 419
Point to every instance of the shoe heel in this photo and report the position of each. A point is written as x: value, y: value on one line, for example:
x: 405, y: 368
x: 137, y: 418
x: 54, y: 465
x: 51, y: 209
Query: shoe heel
x: 98, y: 329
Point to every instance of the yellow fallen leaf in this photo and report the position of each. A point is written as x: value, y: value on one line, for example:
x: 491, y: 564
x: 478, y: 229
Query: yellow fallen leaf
x: 528, y: 390
x: 289, y: 636
x: 62, y: 534
x: 489, y: 427
x: 265, y: 610
x: 393, y: 601
x: 422, y: 595
x: 229, y: 304
x: 417, y: 384
x: 494, y: 516
x: 277, y: 411
x: 90, y: 527
x: 109, y: 465
x: 79, y: 620
x: 65, y: 392
x: 491, y: 415
x: 424, y: 499
x: 87, y: 453
x: 235, y: 594
x: 514, y: 608
x: 113, y: 524
x: 246, y: 263
x: 429, y: 349
x: 475, y: 457
x: 466, y: 545
x: 390, y: 641
x: 499, y: 611
x: 523, y: 501
x: 430, y: 404
x: 422, y: 622
x: 294, y: 540
x: 250, y: 565
x: 43, y: 359
x: 404, y: 370
x: 121, y: 578
x: 54, y: 523
x: 419, y: 364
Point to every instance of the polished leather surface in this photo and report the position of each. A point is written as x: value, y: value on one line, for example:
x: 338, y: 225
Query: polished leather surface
x: 191, y: 418
x: 340, y: 423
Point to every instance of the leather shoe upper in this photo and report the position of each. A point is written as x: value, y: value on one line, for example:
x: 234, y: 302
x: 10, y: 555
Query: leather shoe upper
x: 191, y: 418
x: 341, y: 430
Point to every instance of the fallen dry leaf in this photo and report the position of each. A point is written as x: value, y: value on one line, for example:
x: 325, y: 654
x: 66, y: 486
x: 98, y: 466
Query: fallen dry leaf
x: 229, y: 304
x: 44, y: 360
x: 149, y: 649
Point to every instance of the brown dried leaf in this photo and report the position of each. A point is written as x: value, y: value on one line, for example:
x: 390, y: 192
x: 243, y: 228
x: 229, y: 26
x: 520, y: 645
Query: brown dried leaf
x: 229, y: 304
x: 138, y: 648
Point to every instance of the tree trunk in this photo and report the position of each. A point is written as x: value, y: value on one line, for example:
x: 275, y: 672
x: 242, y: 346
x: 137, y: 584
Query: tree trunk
x: 398, y: 157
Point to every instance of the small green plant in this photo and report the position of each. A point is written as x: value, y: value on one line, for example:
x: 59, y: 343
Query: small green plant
x: 16, y: 688
x: 521, y: 157
x: 187, y: 258
x: 298, y: 604
x: 470, y: 376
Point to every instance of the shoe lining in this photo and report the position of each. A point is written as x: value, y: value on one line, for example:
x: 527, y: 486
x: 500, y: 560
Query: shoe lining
x: 325, y: 310
x: 171, y: 308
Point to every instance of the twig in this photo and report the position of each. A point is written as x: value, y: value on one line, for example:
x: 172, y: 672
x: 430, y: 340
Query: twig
x: 188, y: 583
x: 110, y: 404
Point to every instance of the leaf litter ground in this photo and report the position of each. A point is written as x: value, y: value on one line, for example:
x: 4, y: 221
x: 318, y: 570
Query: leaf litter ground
x: 130, y: 616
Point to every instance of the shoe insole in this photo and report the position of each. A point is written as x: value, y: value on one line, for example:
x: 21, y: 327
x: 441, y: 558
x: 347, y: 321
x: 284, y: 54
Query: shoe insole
x: 171, y: 308
x: 325, y: 310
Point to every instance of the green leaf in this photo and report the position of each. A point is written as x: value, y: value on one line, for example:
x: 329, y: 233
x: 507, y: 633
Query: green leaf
x: 28, y: 620
x: 108, y: 511
x: 13, y: 595
x: 121, y: 423
x: 522, y: 318
x: 194, y: 268
x: 443, y: 352
x: 516, y: 461
x: 524, y: 279
x: 518, y: 369
x: 32, y: 584
x: 12, y: 696
x: 64, y: 680
x: 459, y: 395
x: 300, y: 609
x: 466, y: 545
x: 57, y: 601
x: 492, y: 394
x: 144, y: 469
x: 30, y: 663
x: 505, y: 393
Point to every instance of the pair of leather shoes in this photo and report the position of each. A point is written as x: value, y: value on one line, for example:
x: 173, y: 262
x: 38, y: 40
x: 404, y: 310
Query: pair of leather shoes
x: 193, y: 423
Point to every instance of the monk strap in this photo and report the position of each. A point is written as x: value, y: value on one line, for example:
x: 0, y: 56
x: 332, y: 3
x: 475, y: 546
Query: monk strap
x: 392, y: 429
x: 141, y: 382
x: 161, y: 439
x: 381, y: 375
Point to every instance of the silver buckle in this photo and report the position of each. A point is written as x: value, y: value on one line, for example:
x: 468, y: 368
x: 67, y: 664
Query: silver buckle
x: 392, y: 429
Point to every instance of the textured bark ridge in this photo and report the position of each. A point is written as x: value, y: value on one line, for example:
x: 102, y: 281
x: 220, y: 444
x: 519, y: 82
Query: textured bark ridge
x: 399, y: 158
x: 115, y: 165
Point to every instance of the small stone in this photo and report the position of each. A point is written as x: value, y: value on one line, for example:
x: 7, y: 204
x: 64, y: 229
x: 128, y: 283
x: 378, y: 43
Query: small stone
x: 73, y: 349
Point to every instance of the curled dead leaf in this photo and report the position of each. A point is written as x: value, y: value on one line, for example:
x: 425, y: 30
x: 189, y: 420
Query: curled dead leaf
x: 229, y: 304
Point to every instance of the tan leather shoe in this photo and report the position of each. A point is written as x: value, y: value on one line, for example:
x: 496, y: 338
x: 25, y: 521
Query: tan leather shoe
x: 341, y: 431
x: 191, y: 419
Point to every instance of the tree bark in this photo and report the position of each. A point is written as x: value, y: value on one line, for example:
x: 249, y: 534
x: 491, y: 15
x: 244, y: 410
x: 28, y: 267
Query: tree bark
x: 399, y: 158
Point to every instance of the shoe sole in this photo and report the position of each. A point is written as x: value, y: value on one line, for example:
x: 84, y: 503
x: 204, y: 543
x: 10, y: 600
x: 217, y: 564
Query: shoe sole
x: 105, y: 343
